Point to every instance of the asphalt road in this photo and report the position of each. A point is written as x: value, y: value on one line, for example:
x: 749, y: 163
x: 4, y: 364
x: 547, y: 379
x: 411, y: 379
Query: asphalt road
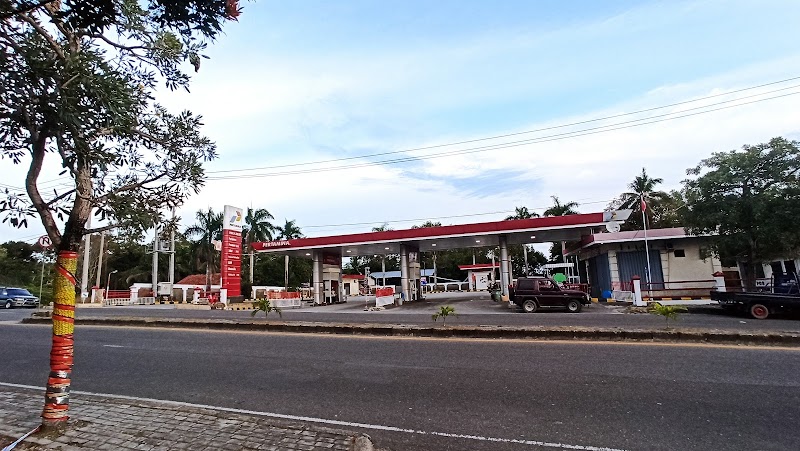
x: 619, y: 396
x: 470, y: 310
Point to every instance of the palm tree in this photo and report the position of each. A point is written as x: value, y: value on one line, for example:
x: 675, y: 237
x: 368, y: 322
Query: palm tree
x: 559, y: 209
x: 522, y: 213
x: 289, y: 231
x: 256, y: 228
x: 208, y: 229
x: 642, y: 188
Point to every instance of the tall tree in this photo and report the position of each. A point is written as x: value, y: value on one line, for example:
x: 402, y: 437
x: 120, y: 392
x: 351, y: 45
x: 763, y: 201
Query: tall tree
x: 559, y: 209
x: 257, y: 227
x: 78, y: 82
x: 206, y: 230
x: 289, y: 231
x: 748, y: 200
x: 642, y: 188
x: 523, y: 213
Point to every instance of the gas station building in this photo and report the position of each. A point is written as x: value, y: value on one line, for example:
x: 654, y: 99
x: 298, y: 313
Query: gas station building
x: 327, y: 252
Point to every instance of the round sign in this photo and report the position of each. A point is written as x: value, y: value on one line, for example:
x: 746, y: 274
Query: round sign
x: 44, y: 241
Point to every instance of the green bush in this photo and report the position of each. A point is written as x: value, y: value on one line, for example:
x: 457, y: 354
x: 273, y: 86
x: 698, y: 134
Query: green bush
x: 669, y: 312
x: 263, y: 305
x: 443, y: 313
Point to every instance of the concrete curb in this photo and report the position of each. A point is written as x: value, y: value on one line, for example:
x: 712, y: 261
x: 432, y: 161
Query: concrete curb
x: 684, y: 335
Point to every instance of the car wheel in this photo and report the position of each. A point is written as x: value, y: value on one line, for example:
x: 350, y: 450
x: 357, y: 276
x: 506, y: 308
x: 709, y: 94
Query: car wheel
x: 759, y: 311
x: 8, y: 304
x: 574, y: 306
x: 529, y: 306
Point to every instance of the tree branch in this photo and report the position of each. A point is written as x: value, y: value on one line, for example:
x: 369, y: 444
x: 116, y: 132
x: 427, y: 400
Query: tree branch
x: 37, y: 153
x: 38, y: 27
x: 129, y: 187
x: 118, y: 45
x: 24, y: 9
x: 60, y: 197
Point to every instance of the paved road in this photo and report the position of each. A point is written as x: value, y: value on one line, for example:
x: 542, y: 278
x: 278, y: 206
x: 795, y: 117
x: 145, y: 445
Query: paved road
x: 471, y: 310
x: 620, y: 396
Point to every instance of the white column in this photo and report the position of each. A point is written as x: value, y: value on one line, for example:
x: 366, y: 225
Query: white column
x: 719, y: 281
x: 85, y: 269
x: 504, y: 281
x: 404, y: 279
x: 155, y: 263
x: 316, y: 273
x: 637, y: 292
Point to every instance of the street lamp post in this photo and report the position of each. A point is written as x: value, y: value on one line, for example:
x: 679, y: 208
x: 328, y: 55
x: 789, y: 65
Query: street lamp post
x: 108, y: 282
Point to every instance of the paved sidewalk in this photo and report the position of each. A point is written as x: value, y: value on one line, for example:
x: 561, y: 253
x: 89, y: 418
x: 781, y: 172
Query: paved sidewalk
x: 100, y: 423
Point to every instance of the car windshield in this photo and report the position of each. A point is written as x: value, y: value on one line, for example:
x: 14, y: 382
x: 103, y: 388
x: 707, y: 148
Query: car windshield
x: 18, y: 292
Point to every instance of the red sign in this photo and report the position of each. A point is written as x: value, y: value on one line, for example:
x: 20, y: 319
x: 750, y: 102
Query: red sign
x: 231, y: 266
x: 332, y: 259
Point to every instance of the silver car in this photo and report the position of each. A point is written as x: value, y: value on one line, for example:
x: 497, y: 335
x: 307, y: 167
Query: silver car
x: 17, y: 297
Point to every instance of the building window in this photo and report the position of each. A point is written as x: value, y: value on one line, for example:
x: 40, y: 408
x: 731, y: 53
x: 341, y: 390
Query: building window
x: 680, y: 253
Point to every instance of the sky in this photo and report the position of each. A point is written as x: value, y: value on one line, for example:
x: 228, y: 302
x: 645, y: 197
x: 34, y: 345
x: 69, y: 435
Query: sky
x: 301, y: 96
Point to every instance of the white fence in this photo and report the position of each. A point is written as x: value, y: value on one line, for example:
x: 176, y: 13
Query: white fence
x: 129, y: 301
x: 286, y: 303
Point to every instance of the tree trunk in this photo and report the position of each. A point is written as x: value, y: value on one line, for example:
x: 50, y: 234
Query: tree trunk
x: 56, y: 406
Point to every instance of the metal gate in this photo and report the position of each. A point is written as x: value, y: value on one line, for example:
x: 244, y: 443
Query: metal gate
x: 635, y: 264
x: 599, y: 274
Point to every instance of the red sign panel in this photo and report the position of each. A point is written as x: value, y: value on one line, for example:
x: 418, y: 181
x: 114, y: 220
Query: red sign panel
x: 231, y: 262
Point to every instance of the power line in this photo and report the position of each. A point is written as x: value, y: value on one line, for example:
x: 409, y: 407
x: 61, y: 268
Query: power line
x: 395, y: 221
x: 334, y: 160
x: 549, y: 138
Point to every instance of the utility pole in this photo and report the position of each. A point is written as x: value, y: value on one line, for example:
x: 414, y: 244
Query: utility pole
x: 172, y: 253
x: 100, y: 260
x: 155, y: 260
x: 85, y: 268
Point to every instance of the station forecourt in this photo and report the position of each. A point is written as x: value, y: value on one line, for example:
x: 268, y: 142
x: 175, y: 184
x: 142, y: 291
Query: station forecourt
x: 327, y: 252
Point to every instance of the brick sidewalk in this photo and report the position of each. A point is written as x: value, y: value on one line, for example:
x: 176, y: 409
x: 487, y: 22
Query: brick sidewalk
x: 101, y: 423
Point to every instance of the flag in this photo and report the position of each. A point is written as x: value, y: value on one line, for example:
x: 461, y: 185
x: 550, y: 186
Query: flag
x: 644, y: 205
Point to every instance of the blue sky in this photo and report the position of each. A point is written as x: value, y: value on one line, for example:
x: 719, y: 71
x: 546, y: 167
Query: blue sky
x: 299, y: 82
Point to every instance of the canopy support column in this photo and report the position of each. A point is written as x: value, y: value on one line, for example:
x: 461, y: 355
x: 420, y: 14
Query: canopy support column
x: 504, y: 280
x: 404, y: 276
x: 316, y: 274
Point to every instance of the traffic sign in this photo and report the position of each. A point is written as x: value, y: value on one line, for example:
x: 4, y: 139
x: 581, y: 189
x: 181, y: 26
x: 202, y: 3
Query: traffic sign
x: 44, y: 242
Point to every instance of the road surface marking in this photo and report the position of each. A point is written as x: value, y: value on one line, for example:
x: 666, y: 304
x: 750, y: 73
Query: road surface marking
x: 332, y: 422
x: 113, y: 346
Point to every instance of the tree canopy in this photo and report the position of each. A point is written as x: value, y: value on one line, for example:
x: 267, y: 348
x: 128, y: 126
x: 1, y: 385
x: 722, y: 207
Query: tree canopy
x: 79, y: 80
x: 748, y: 200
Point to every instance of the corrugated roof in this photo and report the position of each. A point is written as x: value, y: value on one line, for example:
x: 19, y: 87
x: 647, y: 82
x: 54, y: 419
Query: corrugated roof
x: 199, y: 280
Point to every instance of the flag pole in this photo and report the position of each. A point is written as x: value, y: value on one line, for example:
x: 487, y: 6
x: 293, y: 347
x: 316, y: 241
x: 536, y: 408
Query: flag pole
x: 646, y: 248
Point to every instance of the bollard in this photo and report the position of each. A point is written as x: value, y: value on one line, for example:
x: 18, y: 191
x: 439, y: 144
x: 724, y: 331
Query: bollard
x: 637, y: 292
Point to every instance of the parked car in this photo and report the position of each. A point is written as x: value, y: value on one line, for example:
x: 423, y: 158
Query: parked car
x: 17, y: 297
x: 532, y: 293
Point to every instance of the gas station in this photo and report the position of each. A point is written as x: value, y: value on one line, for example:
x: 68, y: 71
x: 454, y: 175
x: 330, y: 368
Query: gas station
x: 327, y: 252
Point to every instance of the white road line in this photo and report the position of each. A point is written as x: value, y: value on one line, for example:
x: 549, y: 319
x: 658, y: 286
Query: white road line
x: 113, y: 346
x: 332, y: 422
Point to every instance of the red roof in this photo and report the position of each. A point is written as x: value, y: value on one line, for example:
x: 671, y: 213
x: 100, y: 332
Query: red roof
x: 497, y: 227
x: 353, y: 276
x: 478, y: 266
x: 199, y: 280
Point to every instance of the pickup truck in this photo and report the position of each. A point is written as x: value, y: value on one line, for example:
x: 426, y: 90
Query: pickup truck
x: 532, y: 293
x: 759, y: 305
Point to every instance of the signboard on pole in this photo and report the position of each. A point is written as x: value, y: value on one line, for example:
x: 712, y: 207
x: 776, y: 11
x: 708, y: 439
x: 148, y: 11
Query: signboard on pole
x: 231, y: 261
x: 44, y: 242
